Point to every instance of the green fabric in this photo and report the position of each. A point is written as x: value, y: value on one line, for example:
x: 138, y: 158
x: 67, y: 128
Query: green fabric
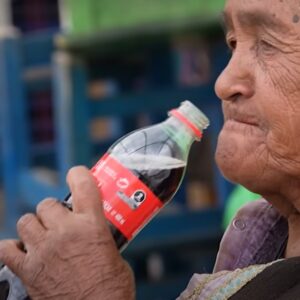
x: 239, y: 197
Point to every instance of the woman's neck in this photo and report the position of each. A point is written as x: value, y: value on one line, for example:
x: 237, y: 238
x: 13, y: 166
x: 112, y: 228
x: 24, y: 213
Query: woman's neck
x: 293, y: 245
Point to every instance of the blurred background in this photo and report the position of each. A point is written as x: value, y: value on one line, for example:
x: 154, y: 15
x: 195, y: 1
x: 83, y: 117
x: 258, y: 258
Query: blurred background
x: 75, y: 75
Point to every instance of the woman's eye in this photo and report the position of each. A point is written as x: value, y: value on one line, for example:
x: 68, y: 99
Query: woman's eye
x: 266, y: 48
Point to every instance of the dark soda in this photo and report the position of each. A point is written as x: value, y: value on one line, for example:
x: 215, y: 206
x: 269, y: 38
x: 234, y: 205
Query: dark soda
x: 154, y: 159
x: 141, y: 172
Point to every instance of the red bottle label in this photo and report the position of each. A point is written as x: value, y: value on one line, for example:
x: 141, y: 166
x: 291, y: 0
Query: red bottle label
x: 128, y: 203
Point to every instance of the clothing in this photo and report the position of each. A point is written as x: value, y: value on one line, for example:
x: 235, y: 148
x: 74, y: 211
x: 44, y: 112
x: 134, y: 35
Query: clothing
x: 256, y: 237
x: 221, y: 285
x: 279, y: 281
x: 251, y: 248
x: 12, y: 287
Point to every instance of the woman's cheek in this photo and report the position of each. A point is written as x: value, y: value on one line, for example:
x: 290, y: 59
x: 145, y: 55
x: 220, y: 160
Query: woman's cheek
x: 283, y: 141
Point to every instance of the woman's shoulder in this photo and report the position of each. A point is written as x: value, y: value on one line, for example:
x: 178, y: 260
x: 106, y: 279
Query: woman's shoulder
x: 257, y: 234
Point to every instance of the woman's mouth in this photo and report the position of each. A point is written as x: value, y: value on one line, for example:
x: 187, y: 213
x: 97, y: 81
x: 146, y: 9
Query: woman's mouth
x: 244, y: 126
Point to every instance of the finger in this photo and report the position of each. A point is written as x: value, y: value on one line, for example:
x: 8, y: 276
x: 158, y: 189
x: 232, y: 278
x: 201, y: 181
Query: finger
x: 12, y: 256
x: 85, y: 193
x: 51, y: 212
x: 30, y: 230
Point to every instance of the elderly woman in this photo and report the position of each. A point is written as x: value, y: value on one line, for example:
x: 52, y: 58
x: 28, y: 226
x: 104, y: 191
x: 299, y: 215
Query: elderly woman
x: 258, y: 147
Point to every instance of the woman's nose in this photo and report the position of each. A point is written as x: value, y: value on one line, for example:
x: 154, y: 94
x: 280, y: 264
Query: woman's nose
x: 237, y: 79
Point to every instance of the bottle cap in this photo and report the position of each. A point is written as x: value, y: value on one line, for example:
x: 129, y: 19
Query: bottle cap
x: 191, y: 116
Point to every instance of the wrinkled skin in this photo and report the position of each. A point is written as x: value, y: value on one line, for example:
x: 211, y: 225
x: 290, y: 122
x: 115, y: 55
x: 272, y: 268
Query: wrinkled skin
x: 259, y: 145
x: 70, y: 255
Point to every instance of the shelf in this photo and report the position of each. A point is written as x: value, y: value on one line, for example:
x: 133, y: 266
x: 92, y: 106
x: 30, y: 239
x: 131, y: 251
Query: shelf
x: 118, y: 40
x: 37, y: 73
x: 42, y: 148
x: 38, y: 77
x: 38, y: 184
x: 169, y: 288
x: 175, y: 230
x: 154, y: 101
x: 37, y: 48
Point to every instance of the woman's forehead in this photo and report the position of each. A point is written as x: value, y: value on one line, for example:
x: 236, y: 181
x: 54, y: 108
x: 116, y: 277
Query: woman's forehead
x: 282, y: 14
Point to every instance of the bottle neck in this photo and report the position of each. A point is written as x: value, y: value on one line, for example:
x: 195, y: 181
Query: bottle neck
x: 181, y: 117
x: 180, y: 133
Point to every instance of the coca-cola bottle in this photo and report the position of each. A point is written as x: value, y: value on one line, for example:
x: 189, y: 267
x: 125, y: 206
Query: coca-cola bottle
x: 139, y: 174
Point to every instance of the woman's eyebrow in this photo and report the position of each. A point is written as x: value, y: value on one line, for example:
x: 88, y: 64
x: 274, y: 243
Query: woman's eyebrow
x: 254, y: 19
x: 225, y: 21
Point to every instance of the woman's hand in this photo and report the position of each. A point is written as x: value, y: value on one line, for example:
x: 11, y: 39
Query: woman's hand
x: 69, y: 254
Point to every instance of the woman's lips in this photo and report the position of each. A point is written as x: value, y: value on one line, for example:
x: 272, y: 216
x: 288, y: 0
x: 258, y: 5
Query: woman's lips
x: 246, y: 121
x: 240, y: 124
x: 242, y: 120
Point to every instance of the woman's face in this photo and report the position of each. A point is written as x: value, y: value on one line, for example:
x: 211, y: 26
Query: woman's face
x: 259, y: 145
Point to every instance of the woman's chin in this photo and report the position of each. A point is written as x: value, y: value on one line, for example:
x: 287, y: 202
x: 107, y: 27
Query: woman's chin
x: 246, y: 171
x: 236, y: 164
